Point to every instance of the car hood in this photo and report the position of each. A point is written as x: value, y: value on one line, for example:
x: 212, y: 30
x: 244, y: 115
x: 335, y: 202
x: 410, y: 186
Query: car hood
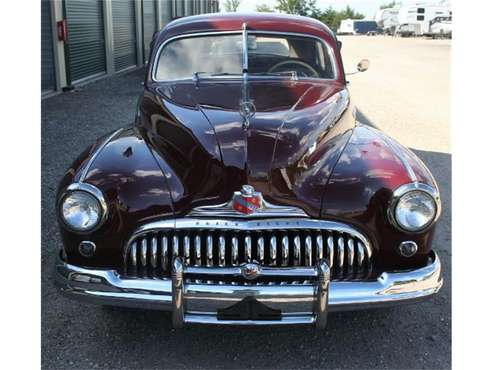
x: 287, y: 151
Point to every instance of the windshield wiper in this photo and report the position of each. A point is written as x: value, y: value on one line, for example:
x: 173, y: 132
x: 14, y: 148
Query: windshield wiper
x: 196, y: 75
x: 292, y: 74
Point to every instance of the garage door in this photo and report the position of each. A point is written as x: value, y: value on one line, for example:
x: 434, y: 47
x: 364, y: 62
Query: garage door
x: 149, y: 24
x: 166, y: 11
x: 124, y: 36
x: 86, y: 48
x: 47, y: 60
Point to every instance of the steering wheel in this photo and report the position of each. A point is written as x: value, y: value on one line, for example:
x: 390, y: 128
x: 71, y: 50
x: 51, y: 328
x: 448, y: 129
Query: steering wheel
x: 294, y: 62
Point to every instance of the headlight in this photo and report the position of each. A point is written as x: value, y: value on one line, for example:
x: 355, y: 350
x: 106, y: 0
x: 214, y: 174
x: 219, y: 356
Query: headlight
x: 414, y: 207
x: 82, y: 207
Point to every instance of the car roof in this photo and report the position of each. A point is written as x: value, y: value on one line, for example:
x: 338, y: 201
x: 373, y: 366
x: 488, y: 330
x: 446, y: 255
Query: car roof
x: 255, y: 21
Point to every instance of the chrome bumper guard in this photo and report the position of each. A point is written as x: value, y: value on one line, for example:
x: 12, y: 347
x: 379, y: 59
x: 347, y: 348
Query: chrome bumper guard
x: 192, y: 302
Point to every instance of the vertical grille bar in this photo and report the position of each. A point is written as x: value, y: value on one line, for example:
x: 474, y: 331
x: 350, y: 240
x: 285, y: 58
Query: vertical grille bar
x: 320, y: 247
x: 222, y: 251
x: 340, y: 252
x: 176, y: 245
x: 273, y: 250
x: 361, y: 254
x: 198, y: 252
x: 330, y: 250
x: 154, y: 252
x: 209, y: 246
x: 186, y: 250
x: 143, y: 252
x: 248, y: 248
x: 368, y: 251
x: 260, y: 249
x: 234, y: 251
x: 350, y: 253
x: 308, y: 250
x: 164, y: 253
x: 285, y: 250
x: 133, y: 254
x: 297, y: 250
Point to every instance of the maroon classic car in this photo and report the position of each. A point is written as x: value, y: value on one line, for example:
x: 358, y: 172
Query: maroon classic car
x: 246, y: 192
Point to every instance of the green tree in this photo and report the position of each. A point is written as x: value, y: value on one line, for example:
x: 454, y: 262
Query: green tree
x: 350, y: 13
x: 330, y: 17
x: 299, y: 7
x: 389, y: 5
x: 232, y: 5
x: 264, y: 8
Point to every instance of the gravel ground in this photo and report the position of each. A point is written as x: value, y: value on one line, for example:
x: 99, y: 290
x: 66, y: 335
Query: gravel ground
x: 405, y: 92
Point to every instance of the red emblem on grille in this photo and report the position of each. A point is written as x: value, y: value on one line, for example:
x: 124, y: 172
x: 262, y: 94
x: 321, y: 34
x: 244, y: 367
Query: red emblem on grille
x: 247, y: 201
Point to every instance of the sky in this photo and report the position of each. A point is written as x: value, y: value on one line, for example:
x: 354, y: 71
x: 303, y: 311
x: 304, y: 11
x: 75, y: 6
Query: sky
x: 366, y: 7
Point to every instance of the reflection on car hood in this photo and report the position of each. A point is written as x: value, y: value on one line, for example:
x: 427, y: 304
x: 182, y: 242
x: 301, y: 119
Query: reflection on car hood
x: 287, y: 152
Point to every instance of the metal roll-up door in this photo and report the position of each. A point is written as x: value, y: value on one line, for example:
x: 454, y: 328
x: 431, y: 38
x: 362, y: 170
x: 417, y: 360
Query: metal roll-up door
x: 188, y: 7
x: 180, y: 8
x: 166, y: 11
x: 149, y: 24
x: 86, y: 47
x: 47, y: 60
x: 124, y: 36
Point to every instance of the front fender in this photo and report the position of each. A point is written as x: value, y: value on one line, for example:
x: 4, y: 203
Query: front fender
x: 360, y: 187
x: 125, y: 169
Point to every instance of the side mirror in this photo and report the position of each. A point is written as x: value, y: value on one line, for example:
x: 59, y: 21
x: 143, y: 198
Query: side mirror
x: 363, y: 65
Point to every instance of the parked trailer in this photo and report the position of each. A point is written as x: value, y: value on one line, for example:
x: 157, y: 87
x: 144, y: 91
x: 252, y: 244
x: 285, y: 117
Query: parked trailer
x: 416, y: 18
x: 440, y: 27
x: 407, y: 30
x: 358, y: 27
x: 387, y: 20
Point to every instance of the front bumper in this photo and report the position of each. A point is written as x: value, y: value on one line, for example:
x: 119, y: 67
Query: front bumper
x: 192, y: 302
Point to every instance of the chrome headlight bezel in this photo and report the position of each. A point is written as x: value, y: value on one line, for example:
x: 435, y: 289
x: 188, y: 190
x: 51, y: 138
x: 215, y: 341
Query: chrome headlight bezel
x: 408, y: 188
x: 91, y: 190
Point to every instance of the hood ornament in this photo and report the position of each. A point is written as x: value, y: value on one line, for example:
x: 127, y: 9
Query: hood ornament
x: 247, y: 203
x: 247, y: 111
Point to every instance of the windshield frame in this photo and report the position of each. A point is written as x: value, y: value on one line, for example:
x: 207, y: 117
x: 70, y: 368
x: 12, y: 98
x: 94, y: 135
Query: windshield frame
x: 325, y: 44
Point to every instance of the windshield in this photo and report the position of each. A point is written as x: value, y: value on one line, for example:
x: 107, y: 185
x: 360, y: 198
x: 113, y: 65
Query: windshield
x: 268, y: 54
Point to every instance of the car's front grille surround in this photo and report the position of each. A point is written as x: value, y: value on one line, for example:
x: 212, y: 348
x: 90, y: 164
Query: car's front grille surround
x: 224, y: 243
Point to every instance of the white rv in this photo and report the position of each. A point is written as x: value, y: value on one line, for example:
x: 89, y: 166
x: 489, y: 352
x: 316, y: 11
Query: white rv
x: 358, y: 27
x: 346, y: 27
x: 387, y: 19
x: 440, y: 27
x: 418, y: 17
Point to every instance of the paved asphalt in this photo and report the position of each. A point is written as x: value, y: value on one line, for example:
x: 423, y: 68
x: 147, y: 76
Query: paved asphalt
x: 76, y: 335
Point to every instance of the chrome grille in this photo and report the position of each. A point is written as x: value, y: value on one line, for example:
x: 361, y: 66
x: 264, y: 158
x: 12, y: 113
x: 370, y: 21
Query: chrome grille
x: 222, y: 243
